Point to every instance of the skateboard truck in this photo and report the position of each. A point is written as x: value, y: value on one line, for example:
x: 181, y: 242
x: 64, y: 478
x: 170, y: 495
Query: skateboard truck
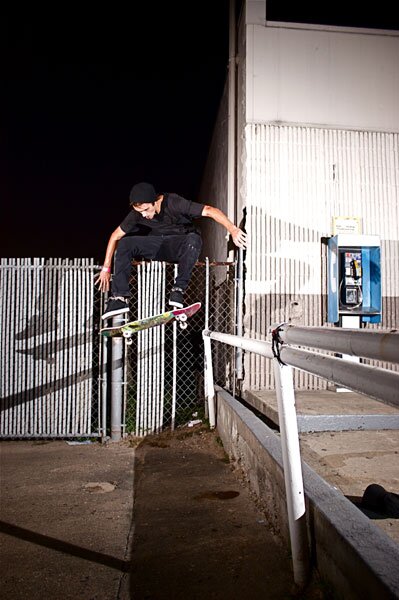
x: 182, y: 321
x: 128, y: 337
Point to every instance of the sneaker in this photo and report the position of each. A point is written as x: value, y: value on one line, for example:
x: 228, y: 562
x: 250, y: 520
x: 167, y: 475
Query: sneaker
x: 176, y: 297
x: 116, y: 306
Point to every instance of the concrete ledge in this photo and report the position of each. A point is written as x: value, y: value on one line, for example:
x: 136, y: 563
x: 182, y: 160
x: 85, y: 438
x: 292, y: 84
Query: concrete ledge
x: 358, y: 559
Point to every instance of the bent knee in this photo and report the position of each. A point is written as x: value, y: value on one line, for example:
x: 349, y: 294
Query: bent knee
x: 194, y: 241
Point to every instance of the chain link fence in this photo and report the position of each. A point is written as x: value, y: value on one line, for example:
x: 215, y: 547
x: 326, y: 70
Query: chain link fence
x: 164, y: 375
x: 57, y: 371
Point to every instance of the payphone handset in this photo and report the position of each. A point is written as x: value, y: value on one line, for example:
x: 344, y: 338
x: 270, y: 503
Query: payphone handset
x: 350, y: 275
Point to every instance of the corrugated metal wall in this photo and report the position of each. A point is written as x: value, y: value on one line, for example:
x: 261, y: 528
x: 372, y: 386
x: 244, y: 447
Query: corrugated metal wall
x: 297, y: 179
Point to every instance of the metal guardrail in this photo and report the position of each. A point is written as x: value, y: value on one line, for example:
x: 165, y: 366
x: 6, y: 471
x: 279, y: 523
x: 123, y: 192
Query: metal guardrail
x: 376, y: 382
x: 379, y: 345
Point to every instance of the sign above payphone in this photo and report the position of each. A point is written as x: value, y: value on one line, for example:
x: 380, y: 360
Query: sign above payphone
x: 347, y: 225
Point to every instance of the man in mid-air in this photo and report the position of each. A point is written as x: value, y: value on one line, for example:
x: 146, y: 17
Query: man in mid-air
x: 158, y: 227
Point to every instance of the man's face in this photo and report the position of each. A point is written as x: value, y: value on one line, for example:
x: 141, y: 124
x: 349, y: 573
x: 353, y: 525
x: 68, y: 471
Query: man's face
x: 146, y: 210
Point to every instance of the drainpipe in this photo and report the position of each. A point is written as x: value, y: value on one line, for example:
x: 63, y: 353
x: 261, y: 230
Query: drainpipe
x: 231, y: 140
x: 231, y: 181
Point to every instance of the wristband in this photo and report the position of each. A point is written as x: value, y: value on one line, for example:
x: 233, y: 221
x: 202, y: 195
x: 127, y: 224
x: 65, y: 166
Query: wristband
x: 106, y: 269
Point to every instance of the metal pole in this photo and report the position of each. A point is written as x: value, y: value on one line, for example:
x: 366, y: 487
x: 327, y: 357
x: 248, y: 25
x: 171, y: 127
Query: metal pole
x: 206, y: 328
x: 374, y: 382
x: 231, y: 138
x: 104, y: 386
x: 117, y: 382
x: 163, y: 357
x: 378, y: 345
x: 257, y: 346
x: 174, y: 375
x: 295, y: 496
x: 139, y: 352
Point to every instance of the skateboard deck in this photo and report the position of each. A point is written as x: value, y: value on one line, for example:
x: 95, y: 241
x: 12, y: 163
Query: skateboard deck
x: 129, y: 329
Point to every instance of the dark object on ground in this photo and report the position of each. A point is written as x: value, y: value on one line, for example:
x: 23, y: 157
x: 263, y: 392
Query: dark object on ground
x: 378, y: 499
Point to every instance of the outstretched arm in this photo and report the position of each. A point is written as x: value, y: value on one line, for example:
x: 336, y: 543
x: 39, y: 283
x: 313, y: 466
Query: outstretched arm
x: 104, y: 277
x: 238, y: 236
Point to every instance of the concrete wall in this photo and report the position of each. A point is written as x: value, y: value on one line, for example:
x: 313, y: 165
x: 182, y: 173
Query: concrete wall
x: 358, y: 560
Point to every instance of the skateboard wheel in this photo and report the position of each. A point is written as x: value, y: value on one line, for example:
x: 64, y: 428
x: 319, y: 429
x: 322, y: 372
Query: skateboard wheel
x: 182, y: 318
x: 183, y: 325
x: 129, y: 341
x: 127, y: 335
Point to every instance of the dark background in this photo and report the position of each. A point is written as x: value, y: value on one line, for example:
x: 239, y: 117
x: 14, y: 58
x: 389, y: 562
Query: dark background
x: 97, y: 100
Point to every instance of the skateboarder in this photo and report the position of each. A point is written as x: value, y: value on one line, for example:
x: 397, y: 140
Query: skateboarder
x: 158, y: 227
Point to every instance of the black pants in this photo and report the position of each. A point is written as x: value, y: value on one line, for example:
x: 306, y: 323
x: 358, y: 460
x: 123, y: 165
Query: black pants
x: 181, y: 249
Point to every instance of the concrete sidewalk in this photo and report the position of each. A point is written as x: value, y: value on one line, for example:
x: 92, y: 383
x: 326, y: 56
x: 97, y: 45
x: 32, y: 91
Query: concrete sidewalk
x: 69, y: 530
x: 66, y: 514
x: 171, y: 517
x: 349, y: 460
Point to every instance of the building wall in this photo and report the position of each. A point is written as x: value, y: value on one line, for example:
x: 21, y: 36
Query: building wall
x: 318, y: 136
x: 321, y: 140
x: 321, y: 76
x: 298, y: 178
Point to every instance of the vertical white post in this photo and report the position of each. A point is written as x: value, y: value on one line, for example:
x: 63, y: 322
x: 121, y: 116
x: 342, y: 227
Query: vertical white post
x: 209, y: 388
x: 239, y: 312
x: 348, y: 322
x: 292, y: 471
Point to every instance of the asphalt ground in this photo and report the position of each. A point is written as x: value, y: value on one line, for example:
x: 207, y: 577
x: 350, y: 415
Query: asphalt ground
x: 169, y: 518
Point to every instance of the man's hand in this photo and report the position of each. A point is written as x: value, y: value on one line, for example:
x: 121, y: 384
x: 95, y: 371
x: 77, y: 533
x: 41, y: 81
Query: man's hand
x: 239, y: 237
x: 104, y: 276
x: 103, y: 280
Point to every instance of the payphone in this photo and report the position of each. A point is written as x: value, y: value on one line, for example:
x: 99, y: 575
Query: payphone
x: 354, y: 278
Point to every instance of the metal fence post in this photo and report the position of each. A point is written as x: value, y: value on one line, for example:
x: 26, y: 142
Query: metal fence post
x: 206, y: 327
x: 292, y: 471
x: 117, y: 382
x: 104, y: 387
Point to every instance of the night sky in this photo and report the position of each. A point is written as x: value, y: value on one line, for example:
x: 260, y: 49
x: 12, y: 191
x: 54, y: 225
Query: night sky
x: 97, y: 101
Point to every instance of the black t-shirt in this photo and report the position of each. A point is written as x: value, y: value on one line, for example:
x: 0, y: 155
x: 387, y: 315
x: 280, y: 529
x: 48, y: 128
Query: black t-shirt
x: 175, y: 217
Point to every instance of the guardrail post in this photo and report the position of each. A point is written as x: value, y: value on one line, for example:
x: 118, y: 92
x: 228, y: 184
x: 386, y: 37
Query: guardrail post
x: 239, y: 311
x: 208, y: 379
x: 292, y: 471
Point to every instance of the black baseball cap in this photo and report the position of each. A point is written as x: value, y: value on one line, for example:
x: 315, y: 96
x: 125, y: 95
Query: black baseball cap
x: 142, y: 193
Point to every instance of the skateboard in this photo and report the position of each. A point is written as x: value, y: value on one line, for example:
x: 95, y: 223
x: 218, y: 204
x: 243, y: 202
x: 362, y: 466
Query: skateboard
x: 129, y: 329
